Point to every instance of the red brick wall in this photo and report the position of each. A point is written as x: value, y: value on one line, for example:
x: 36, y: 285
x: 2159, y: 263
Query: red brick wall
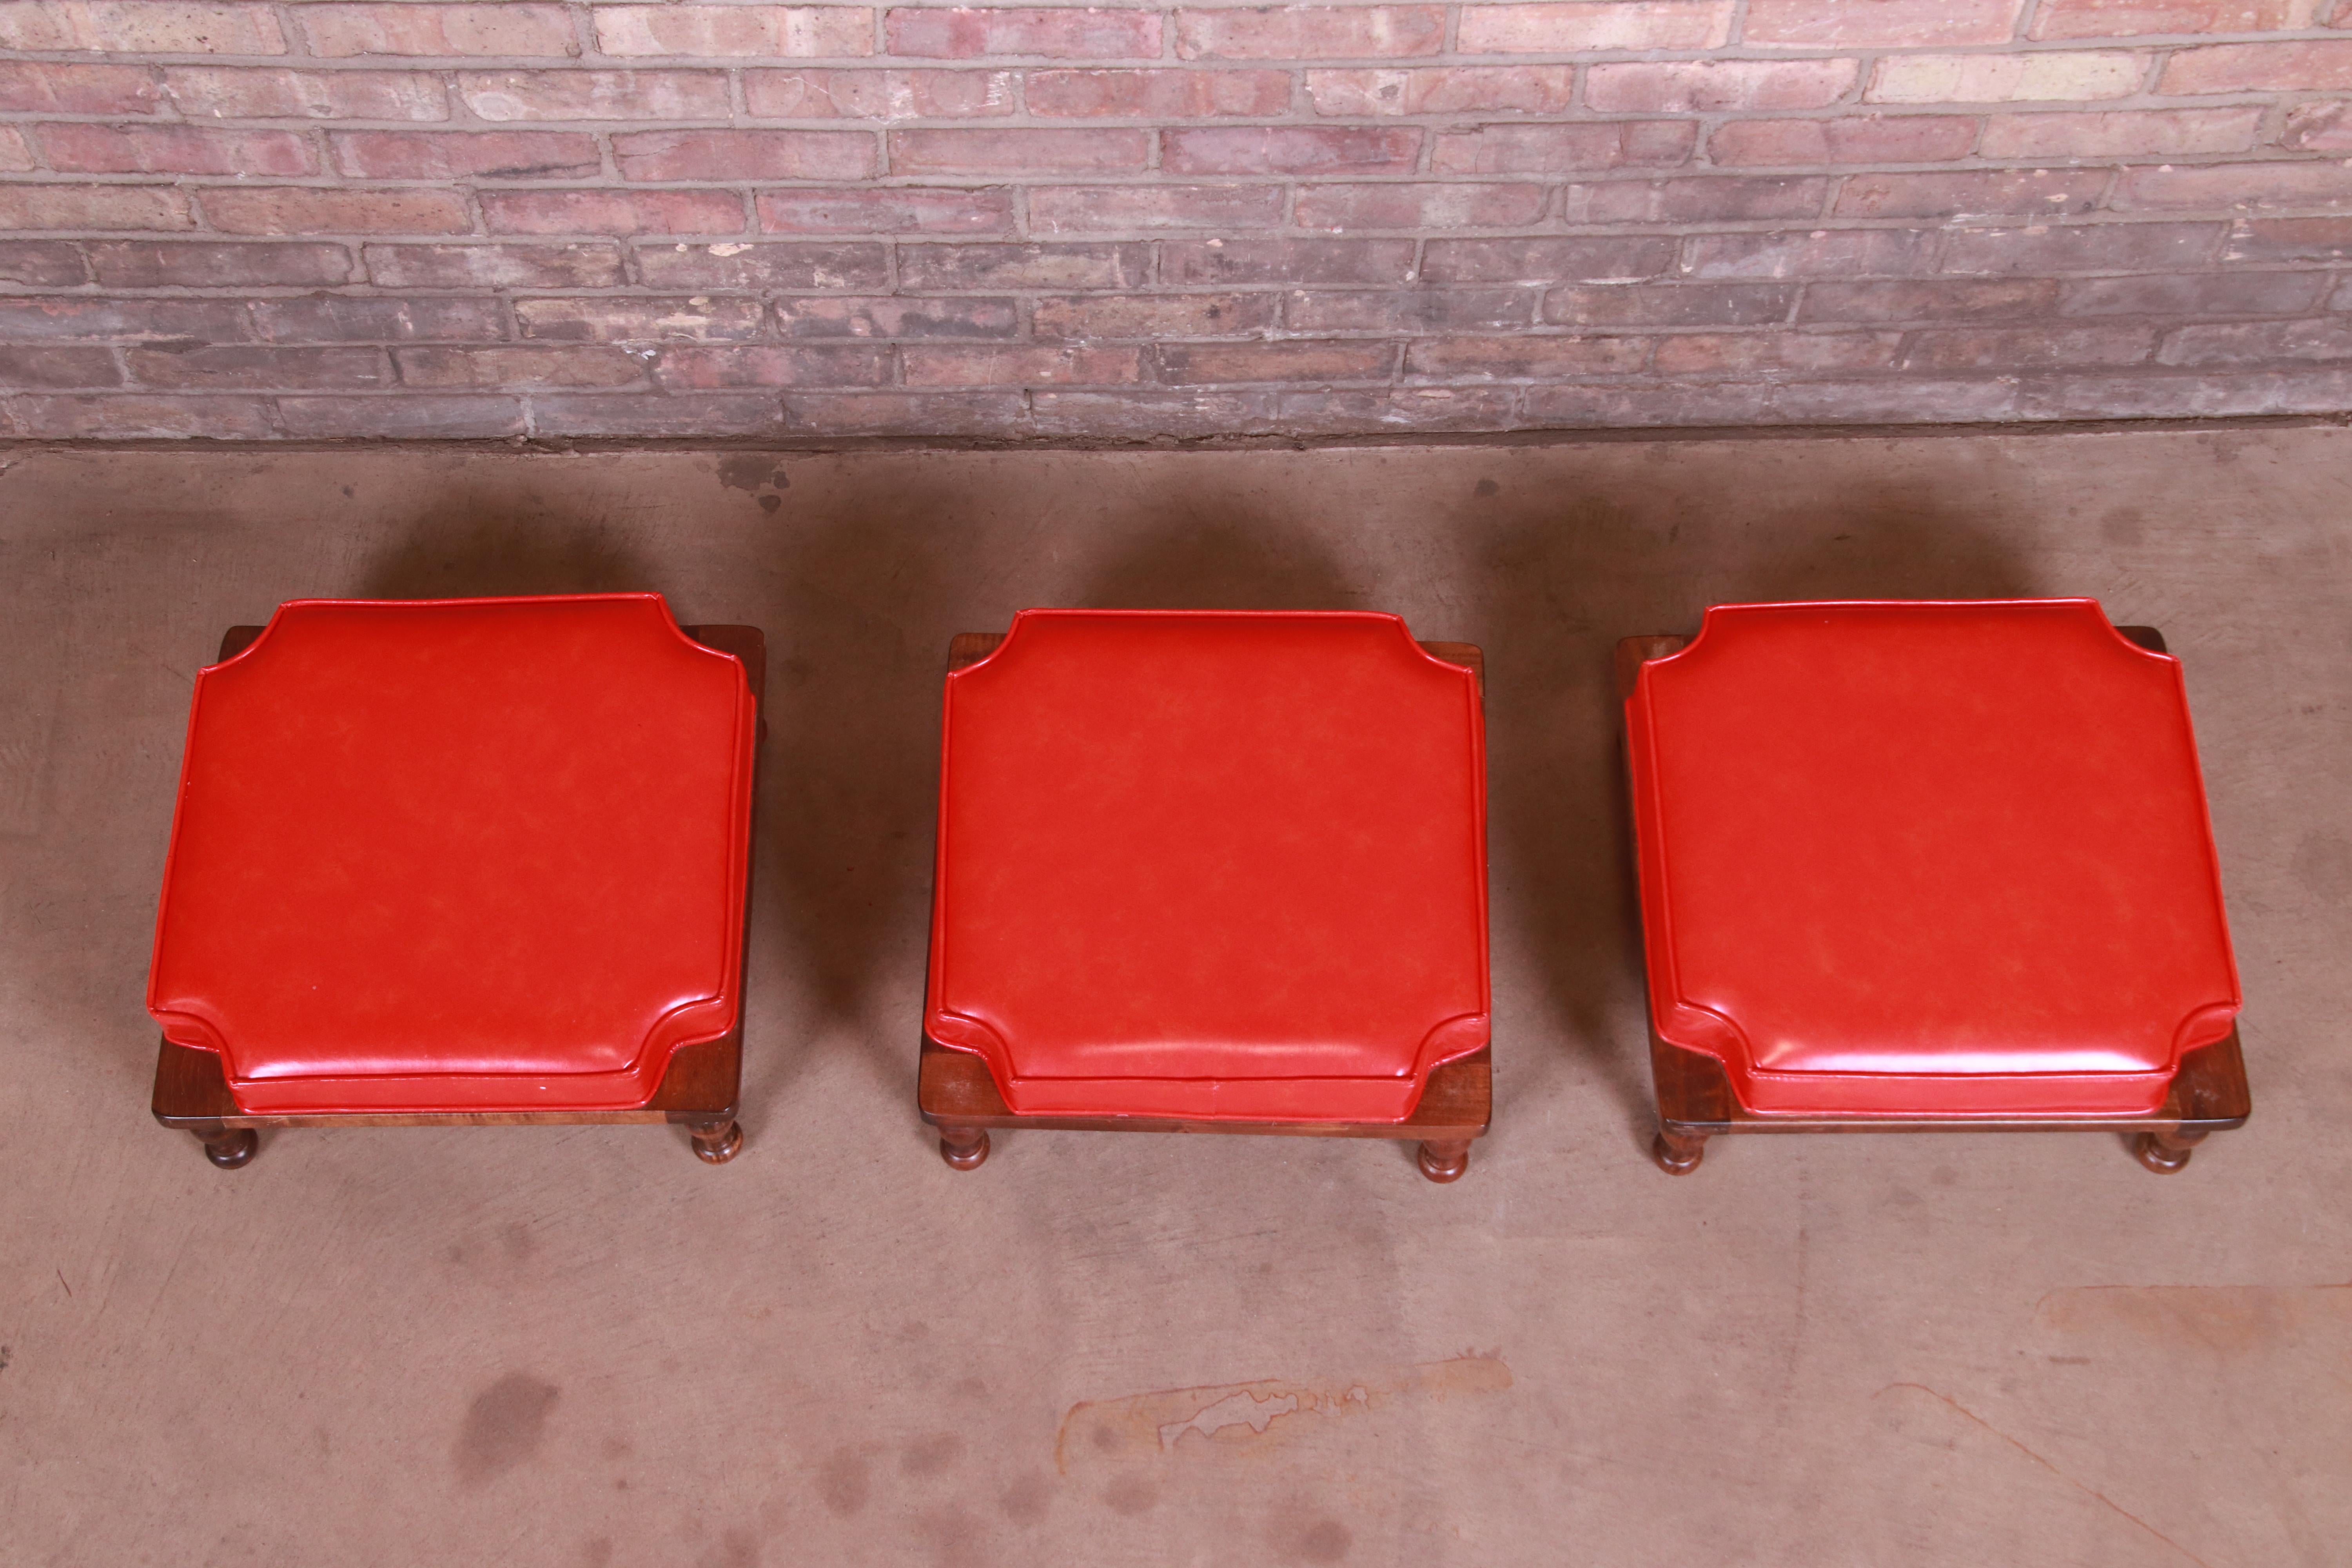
x: 241, y: 219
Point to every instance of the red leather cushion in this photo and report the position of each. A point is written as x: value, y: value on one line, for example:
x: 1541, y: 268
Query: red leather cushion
x: 1211, y: 865
x: 483, y: 854
x: 1927, y: 858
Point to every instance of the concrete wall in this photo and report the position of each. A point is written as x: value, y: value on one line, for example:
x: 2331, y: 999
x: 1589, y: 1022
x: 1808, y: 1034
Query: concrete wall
x: 294, y: 220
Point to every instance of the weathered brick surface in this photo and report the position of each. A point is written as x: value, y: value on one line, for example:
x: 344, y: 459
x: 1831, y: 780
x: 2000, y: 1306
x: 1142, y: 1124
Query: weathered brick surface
x: 1128, y: 219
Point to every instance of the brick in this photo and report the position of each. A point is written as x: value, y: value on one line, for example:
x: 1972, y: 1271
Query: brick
x: 1410, y: 312
x: 2260, y: 342
x: 15, y: 154
x: 1934, y: 299
x: 767, y: 364
x: 811, y: 266
x: 1290, y: 150
x: 1140, y: 414
x: 1692, y: 200
x: 699, y: 319
x: 1747, y: 354
x: 2241, y: 185
x: 1156, y: 94
x: 2139, y: 395
x: 1555, y: 29
x: 1553, y: 149
x: 895, y: 316
x: 1396, y: 408
x: 2044, y: 192
x: 148, y: 264
x: 819, y: 93
x: 519, y: 367
x: 436, y: 30
x: 2195, y: 294
x: 1821, y: 253
x: 445, y: 417
x: 1095, y: 209
x: 773, y: 32
x: 1879, y: 24
x: 93, y: 207
x: 2316, y: 66
x: 200, y: 367
x: 45, y: 87
x: 700, y: 415
x: 2138, y: 18
x: 1437, y: 207
x: 2121, y: 133
x: 222, y: 92
x: 1547, y: 260
x: 989, y: 152
x: 1022, y: 266
x: 612, y: 212
x: 36, y: 319
x: 41, y: 264
x: 896, y: 209
x: 1447, y: 90
x: 2042, y: 347
x: 1154, y: 316
x: 1270, y: 260
x: 922, y: 414
x: 735, y: 155
x: 48, y: 368
x: 1524, y: 357
x: 2290, y: 239
x: 1688, y: 87
x: 1342, y: 359
x: 1062, y: 33
x: 2005, y: 78
x: 82, y: 148
x: 1849, y: 139
x: 466, y: 155
x: 2082, y: 248
x: 141, y: 28
x: 301, y: 209
x: 1671, y: 305
x: 1021, y: 365
x: 352, y: 319
x: 505, y: 96
x: 120, y: 417
x: 493, y: 266
x: 1310, y: 32
x: 2310, y: 127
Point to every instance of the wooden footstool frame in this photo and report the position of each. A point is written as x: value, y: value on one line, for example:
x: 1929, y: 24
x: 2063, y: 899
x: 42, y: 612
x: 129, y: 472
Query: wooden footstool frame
x: 698, y: 1091
x: 1695, y: 1099
x: 956, y: 1094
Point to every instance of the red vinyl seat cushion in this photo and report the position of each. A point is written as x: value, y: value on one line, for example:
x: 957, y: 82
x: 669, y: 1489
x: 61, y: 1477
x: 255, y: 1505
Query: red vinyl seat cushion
x: 482, y: 855
x: 1211, y: 865
x: 1926, y: 858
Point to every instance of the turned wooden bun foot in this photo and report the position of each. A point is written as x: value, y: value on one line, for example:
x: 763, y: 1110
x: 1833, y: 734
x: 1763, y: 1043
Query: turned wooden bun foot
x: 1676, y: 1154
x: 1444, y: 1161
x: 717, y: 1145
x: 231, y: 1147
x: 963, y: 1147
x: 2162, y: 1154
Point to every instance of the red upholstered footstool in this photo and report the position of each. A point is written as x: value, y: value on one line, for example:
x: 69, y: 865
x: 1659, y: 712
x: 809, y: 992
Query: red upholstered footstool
x: 460, y: 862
x: 1912, y: 866
x: 1209, y: 872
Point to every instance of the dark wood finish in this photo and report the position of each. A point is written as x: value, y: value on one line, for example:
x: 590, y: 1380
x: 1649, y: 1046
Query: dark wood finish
x: 956, y: 1094
x: 1696, y: 1101
x: 698, y: 1092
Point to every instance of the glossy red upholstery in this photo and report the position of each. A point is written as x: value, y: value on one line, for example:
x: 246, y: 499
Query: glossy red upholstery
x: 1211, y: 865
x: 474, y: 855
x: 1927, y: 858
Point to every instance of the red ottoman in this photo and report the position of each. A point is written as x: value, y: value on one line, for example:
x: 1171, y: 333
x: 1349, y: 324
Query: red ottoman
x: 1210, y: 872
x: 460, y: 862
x: 1917, y: 866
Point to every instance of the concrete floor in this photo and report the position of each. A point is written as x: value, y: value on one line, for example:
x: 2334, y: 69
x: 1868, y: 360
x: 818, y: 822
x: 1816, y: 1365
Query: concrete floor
x: 580, y: 1346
